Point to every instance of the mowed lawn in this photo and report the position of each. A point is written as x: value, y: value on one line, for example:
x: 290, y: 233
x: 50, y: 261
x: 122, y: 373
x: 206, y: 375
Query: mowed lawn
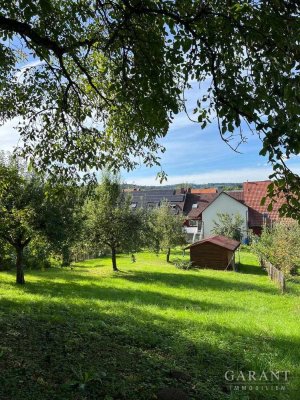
x: 89, y: 333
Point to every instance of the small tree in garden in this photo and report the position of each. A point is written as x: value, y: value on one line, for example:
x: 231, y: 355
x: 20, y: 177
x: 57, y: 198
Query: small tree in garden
x: 35, y: 218
x: 111, y: 222
x: 166, y: 229
x: 229, y: 226
x: 281, y: 246
x: 20, y: 197
x: 62, y: 218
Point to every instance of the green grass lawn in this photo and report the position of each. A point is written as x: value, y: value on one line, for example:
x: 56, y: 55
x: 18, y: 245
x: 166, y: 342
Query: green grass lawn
x: 88, y: 333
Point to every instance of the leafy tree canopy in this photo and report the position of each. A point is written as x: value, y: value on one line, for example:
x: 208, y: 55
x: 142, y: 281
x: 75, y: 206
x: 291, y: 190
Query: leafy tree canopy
x: 280, y: 245
x: 166, y: 229
x: 110, y: 220
x: 113, y: 74
x: 31, y: 209
x: 229, y: 225
x: 20, y: 197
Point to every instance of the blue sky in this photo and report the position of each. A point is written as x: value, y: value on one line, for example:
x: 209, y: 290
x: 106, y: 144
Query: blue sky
x: 192, y: 155
x: 200, y: 156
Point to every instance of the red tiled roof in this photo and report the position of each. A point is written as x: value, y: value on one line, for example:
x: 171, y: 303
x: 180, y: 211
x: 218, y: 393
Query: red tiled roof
x: 202, y: 202
x: 218, y: 240
x: 253, y: 193
x: 236, y: 194
x: 204, y: 191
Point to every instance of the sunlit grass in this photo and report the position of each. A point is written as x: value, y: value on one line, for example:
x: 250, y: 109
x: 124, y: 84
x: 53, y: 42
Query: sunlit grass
x: 129, y: 330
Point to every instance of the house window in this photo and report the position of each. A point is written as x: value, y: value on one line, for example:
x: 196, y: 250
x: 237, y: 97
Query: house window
x: 195, y: 205
x: 193, y: 222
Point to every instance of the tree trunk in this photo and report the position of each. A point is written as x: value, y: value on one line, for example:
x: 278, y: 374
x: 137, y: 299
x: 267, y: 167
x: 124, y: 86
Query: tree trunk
x: 114, y: 259
x: 168, y: 254
x: 19, y: 265
x: 65, y: 257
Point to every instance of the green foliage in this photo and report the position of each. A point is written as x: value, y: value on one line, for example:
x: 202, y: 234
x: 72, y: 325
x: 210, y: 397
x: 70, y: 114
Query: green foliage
x: 84, y: 378
x: 229, y: 226
x: 280, y: 245
x: 112, y: 75
x: 166, y: 229
x: 37, y: 219
x: 7, y: 257
x: 110, y: 220
x: 183, y: 264
x: 20, y: 194
x: 62, y: 218
x: 38, y: 254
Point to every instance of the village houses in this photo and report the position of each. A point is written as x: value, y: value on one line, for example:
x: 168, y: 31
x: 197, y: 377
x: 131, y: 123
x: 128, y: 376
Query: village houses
x: 202, y: 206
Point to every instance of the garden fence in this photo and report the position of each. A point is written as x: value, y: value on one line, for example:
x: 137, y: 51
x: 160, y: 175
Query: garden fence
x: 275, y: 274
x: 84, y: 255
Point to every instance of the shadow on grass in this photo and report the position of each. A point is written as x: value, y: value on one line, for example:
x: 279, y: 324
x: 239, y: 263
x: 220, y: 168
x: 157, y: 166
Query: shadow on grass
x: 71, y: 290
x: 45, y: 346
x: 195, y: 281
x: 250, y: 269
x: 188, y: 279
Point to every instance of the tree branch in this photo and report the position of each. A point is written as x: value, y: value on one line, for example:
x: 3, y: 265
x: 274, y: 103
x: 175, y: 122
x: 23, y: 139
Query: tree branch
x: 24, y: 29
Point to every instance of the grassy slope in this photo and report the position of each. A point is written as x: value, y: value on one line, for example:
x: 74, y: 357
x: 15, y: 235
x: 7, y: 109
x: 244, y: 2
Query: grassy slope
x: 120, y: 335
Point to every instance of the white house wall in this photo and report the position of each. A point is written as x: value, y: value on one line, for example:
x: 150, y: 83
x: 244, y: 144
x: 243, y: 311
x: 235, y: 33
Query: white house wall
x: 223, y: 204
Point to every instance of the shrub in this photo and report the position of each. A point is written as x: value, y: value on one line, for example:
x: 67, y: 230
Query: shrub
x: 7, y: 256
x: 183, y: 264
x: 280, y: 245
x: 38, y: 254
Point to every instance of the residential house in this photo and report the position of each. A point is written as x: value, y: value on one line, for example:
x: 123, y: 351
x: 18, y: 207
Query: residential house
x: 154, y: 198
x: 259, y: 215
x: 202, y: 210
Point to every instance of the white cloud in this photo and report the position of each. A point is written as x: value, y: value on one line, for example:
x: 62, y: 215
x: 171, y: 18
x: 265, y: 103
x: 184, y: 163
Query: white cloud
x: 24, y: 68
x: 217, y: 176
x: 9, y: 137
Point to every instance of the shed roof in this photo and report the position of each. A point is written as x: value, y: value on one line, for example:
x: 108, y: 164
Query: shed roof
x: 222, y: 241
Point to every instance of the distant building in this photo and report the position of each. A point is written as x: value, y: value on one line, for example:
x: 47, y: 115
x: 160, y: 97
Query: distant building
x: 202, y: 210
x: 204, y: 191
x: 149, y: 199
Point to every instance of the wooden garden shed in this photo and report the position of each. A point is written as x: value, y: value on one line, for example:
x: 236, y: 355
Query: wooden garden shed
x: 216, y: 252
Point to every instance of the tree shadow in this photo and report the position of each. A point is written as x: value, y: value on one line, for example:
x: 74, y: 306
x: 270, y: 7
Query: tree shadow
x: 196, y: 281
x: 134, y: 353
x: 251, y: 269
x: 71, y: 290
x: 66, y: 332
